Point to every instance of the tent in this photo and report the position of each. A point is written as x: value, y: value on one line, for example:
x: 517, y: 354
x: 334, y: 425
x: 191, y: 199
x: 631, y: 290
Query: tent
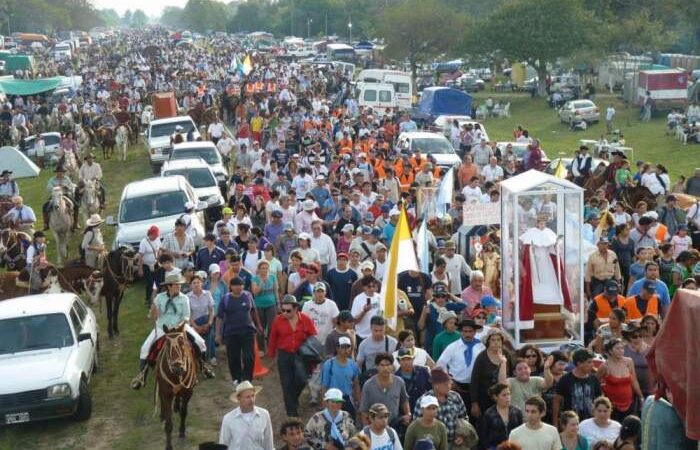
x: 16, y: 162
x: 437, y: 101
x: 16, y: 62
x: 30, y: 87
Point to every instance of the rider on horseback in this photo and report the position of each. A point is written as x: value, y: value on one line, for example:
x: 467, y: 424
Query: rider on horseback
x: 91, y: 171
x: 169, y: 309
x: 8, y: 188
x: 62, y: 181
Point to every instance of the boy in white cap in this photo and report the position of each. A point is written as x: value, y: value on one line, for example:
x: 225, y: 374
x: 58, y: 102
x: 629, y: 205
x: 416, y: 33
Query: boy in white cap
x: 427, y: 426
x: 332, y: 425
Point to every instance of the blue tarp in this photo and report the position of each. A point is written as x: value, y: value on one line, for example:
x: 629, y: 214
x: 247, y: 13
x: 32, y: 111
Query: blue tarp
x: 437, y: 101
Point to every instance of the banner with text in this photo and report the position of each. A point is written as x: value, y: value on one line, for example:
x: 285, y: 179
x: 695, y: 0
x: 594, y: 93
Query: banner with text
x: 481, y: 213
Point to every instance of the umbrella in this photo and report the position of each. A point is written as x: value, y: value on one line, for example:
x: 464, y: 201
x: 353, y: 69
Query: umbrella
x: 15, y: 161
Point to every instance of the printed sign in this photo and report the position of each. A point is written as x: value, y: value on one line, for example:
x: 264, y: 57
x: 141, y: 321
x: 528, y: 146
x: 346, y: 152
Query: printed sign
x: 481, y: 213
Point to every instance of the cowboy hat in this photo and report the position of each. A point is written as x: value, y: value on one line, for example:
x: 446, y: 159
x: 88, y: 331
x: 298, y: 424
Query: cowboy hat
x: 94, y: 220
x: 244, y: 386
x: 175, y: 278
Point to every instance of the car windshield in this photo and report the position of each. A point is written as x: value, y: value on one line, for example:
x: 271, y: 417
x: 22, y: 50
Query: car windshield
x: 149, y: 207
x: 207, y: 154
x: 40, y: 332
x: 199, y: 178
x: 585, y: 104
x: 166, y: 129
x: 432, y: 146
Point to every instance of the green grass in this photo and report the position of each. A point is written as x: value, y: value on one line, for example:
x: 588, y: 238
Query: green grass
x: 124, y: 420
x: 647, y: 139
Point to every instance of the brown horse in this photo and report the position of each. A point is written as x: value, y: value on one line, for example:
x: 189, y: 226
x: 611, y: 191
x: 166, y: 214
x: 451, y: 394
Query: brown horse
x: 634, y: 194
x: 105, y: 135
x: 16, y: 284
x: 176, y: 376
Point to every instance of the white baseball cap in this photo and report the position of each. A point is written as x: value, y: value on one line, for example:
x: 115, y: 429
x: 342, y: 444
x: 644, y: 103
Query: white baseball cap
x: 334, y: 395
x: 429, y: 400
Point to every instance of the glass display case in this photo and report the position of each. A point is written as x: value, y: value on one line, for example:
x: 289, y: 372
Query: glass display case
x: 542, y: 259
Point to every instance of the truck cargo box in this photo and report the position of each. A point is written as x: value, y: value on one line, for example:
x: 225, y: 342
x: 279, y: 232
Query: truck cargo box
x: 164, y: 105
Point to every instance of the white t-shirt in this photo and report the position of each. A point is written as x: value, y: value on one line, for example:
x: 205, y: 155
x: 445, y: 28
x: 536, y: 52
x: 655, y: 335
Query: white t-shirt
x: 544, y: 438
x: 148, y: 249
x: 593, y: 433
x: 420, y: 357
x: 322, y: 315
x: 216, y: 129
x: 362, y: 327
x: 471, y: 194
x: 383, y: 441
x: 251, y: 261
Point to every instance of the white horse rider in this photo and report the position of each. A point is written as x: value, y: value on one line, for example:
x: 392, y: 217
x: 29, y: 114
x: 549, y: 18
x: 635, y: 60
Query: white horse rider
x: 169, y: 309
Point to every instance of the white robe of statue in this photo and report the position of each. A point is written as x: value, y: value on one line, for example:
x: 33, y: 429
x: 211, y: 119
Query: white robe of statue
x: 546, y: 285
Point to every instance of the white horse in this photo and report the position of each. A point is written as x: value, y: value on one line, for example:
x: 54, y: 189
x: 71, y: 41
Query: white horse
x: 83, y: 139
x: 89, y: 200
x: 122, y: 139
x: 61, y: 222
x: 70, y: 163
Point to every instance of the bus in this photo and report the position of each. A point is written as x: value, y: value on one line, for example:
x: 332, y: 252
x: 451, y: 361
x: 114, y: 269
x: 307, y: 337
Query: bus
x: 403, y: 87
x: 340, y: 52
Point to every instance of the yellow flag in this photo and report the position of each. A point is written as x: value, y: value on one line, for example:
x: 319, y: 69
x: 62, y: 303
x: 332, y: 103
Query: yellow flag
x: 247, y: 65
x: 560, y: 171
x: 402, y: 257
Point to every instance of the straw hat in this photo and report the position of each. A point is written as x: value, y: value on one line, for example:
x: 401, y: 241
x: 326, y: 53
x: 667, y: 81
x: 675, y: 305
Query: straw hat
x: 94, y: 220
x: 244, y: 386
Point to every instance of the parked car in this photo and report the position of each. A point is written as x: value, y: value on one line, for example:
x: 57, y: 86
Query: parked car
x: 158, y: 136
x: 52, y: 142
x: 470, y: 83
x: 202, y: 179
x: 430, y: 144
x: 155, y: 201
x: 48, y: 354
x: 552, y: 166
x: 205, y: 150
x: 577, y: 110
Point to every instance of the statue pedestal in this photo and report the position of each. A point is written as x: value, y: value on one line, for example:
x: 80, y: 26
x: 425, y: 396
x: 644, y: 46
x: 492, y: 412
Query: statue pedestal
x: 550, y: 324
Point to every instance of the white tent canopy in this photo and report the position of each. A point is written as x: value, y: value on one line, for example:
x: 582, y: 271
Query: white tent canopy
x: 15, y: 161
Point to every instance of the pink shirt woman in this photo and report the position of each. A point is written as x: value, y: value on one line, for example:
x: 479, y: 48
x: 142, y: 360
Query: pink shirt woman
x: 472, y: 294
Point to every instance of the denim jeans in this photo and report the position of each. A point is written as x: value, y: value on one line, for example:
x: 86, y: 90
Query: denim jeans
x: 293, y: 376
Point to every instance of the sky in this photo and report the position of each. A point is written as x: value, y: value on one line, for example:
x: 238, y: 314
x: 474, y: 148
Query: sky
x: 152, y: 8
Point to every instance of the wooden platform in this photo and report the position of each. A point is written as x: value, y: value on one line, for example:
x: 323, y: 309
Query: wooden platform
x: 550, y: 324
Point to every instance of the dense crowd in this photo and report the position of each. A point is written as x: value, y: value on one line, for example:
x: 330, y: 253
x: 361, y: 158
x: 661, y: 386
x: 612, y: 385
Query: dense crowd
x: 315, y: 192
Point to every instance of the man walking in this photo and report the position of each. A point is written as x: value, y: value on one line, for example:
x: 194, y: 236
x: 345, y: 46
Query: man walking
x: 248, y: 426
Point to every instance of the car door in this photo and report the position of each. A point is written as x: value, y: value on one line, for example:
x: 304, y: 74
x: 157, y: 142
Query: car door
x: 29, y: 145
x: 85, y: 349
x: 89, y: 321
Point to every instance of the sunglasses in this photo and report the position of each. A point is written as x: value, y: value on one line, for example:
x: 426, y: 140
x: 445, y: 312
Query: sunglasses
x: 345, y: 346
x: 287, y: 310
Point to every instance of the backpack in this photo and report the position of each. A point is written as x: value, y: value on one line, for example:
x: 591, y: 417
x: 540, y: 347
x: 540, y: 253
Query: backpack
x: 392, y: 434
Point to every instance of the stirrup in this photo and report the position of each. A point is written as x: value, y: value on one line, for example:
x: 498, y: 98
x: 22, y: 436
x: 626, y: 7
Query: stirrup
x: 139, y: 380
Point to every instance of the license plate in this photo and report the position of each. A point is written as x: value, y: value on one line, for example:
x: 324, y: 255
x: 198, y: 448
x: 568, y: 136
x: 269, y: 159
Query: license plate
x: 17, y: 418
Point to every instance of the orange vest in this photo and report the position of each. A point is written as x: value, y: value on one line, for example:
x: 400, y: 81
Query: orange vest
x: 603, y: 308
x: 633, y: 312
x: 406, y: 180
x: 661, y: 233
x: 271, y: 87
x: 250, y: 89
x: 259, y: 86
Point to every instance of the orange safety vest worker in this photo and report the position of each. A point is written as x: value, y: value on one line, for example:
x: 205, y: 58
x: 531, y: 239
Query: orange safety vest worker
x: 259, y: 86
x: 271, y: 87
x: 603, y: 307
x: 249, y: 89
x: 633, y: 312
x: 406, y: 180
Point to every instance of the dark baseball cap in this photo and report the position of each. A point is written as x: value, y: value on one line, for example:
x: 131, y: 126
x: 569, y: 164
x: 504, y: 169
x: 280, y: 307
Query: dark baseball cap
x: 649, y: 285
x: 611, y: 287
x: 440, y: 289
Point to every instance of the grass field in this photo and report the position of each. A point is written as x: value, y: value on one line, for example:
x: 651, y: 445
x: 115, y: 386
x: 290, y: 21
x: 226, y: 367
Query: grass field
x: 124, y: 420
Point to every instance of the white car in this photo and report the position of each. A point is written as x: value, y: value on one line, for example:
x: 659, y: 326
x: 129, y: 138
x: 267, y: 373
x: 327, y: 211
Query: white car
x: 205, y: 150
x: 158, y: 136
x: 156, y: 201
x: 48, y: 353
x: 578, y: 110
x: 52, y: 141
x: 202, y: 179
x: 435, y: 145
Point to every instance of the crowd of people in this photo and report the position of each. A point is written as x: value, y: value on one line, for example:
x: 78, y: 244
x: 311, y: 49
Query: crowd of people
x: 315, y: 192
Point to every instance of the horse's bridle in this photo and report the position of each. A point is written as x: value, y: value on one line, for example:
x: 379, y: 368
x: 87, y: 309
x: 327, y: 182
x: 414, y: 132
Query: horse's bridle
x: 176, y: 356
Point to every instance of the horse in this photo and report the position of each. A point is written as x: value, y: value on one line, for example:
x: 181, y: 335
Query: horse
x: 17, y: 284
x: 592, y: 184
x: 176, y: 372
x: 61, y: 222
x: 107, y: 141
x: 632, y: 195
x: 89, y: 198
x: 70, y: 163
x: 84, y: 138
x: 12, y: 253
x: 118, y: 272
x: 122, y: 141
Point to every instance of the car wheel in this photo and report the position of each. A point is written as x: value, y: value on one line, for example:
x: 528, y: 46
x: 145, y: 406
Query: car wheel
x: 84, y: 410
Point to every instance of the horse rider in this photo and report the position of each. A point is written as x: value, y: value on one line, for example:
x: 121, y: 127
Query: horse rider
x: 169, y: 309
x: 60, y: 180
x: 93, y: 244
x: 21, y: 216
x: 36, y: 260
x: 8, y: 187
x: 108, y: 120
x: 92, y: 171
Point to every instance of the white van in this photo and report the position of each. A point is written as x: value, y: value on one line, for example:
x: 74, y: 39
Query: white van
x: 378, y: 96
x: 62, y: 51
x: 403, y: 87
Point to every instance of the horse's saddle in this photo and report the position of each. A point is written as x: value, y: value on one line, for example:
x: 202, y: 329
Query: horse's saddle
x: 66, y: 198
x: 158, y: 344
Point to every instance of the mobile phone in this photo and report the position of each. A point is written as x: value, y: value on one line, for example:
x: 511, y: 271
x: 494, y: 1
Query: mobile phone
x: 369, y: 301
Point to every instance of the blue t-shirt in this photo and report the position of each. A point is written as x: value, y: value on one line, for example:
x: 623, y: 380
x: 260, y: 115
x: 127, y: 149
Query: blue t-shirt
x: 335, y: 375
x: 637, y: 271
x: 340, y: 284
x: 661, y: 291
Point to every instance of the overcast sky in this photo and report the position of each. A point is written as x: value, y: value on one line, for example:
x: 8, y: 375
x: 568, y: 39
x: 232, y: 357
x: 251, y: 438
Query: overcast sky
x: 150, y: 7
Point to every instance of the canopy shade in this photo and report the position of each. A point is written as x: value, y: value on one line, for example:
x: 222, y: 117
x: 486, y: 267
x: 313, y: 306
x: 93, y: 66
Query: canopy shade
x: 15, y: 161
x: 29, y: 87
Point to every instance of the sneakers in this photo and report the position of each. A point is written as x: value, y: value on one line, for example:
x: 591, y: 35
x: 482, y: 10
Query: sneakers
x: 213, y: 362
x: 207, y: 370
x: 235, y: 384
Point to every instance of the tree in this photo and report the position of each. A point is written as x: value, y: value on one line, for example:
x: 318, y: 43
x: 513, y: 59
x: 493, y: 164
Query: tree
x: 139, y: 19
x: 416, y: 30
x: 126, y: 18
x: 109, y: 17
x: 539, y: 32
x: 172, y: 17
x: 205, y: 15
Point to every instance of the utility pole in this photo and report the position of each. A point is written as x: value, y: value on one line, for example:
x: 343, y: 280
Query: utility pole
x: 326, y: 23
x: 308, y: 28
